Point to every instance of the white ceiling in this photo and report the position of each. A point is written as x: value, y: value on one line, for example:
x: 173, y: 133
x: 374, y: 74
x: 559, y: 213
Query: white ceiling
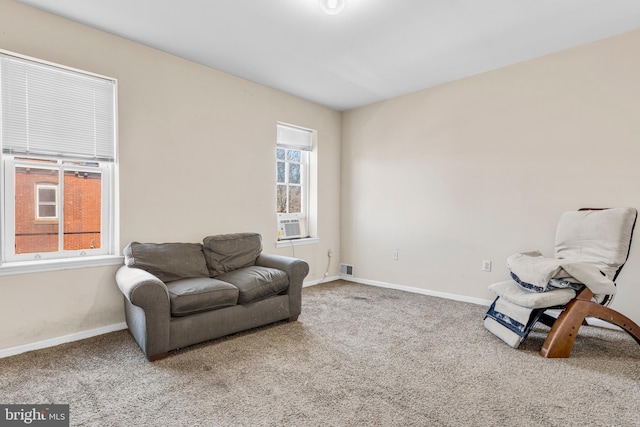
x: 373, y: 50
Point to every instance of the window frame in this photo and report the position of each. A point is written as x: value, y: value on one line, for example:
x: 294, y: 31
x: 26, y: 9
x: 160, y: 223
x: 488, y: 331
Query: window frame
x: 10, y: 163
x: 294, y: 137
x: 12, y: 263
x: 304, y: 183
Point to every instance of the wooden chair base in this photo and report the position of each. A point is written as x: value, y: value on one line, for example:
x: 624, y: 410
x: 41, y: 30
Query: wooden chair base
x: 563, y: 334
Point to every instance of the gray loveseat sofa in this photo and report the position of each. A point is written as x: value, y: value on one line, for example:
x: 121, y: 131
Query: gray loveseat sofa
x: 179, y: 294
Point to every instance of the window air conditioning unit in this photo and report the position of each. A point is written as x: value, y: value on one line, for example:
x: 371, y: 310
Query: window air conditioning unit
x: 291, y: 228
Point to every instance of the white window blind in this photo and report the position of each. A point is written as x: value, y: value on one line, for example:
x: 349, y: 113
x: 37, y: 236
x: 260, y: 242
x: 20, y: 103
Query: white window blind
x: 294, y: 137
x: 53, y: 111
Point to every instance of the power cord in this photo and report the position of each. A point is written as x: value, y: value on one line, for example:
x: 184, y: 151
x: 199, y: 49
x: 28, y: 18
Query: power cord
x: 329, y: 255
x: 326, y: 273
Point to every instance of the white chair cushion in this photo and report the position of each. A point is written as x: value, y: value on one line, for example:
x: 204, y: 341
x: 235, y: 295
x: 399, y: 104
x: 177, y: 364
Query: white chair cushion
x: 596, y: 237
x: 505, y: 334
x: 510, y: 291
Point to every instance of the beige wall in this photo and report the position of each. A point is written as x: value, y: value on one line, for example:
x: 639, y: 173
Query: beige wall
x: 195, y: 148
x: 481, y: 168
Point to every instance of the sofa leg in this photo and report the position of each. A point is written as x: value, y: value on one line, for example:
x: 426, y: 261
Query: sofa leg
x: 157, y: 356
x: 293, y: 318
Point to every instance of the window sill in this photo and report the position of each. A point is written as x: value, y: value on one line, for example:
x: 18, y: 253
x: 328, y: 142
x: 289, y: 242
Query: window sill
x: 297, y: 242
x: 25, y: 267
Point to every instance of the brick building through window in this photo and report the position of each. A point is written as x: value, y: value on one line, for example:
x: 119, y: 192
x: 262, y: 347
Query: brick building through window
x: 40, y: 201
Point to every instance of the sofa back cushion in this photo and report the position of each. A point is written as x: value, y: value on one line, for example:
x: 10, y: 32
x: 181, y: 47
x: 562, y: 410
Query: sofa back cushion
x: 256, y: 283
x: 228, y: 252
x: 167, y: 261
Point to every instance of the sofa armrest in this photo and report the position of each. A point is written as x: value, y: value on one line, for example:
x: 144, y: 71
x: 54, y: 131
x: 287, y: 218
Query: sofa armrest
x: 297, y: 269
x: 147, y: 309
x: 142, y: 288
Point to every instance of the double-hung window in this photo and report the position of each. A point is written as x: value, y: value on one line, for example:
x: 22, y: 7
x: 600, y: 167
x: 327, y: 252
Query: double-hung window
x: 292, y: 180
x: 58, y: 138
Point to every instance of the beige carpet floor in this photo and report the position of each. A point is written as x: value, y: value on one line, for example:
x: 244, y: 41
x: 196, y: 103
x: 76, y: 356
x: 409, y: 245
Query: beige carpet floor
x: 358, y: 356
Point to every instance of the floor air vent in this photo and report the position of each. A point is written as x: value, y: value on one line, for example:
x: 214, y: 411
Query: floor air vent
x: 346, y: 270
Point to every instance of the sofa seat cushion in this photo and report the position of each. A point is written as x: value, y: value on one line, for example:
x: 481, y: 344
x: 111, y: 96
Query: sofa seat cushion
x: 189, y: 296
x: 228, y: 252
x: 256, y: 283
x: 167, y: 261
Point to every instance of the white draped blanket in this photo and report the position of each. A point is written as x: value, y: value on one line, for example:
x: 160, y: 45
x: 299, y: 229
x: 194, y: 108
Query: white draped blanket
x: 533, y: 271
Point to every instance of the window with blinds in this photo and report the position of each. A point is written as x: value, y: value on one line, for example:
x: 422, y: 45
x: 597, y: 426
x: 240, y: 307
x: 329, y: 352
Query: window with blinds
x: 58, y: 139
x: 292, y: 178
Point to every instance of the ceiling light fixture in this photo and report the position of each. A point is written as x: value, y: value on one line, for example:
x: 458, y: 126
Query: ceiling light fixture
x: 332, y: 7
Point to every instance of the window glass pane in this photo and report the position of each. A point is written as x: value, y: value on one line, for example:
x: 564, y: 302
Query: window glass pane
x: 295, y: 199
x: 281, y: 173
x: 294, y: 173
x: 281, y: 199
x: 47, y: 211
x: 82, y: 209
x: 47, y: 195
x: 280, y: 153
x: 293, y: 155
x: 34, y: 233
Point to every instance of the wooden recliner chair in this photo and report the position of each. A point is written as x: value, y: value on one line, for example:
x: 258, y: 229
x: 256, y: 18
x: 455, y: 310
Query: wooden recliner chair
x: 591, y: 247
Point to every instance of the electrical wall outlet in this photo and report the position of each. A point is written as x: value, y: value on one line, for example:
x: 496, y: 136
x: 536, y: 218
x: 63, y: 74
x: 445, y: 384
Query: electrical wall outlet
x: 486, y: 265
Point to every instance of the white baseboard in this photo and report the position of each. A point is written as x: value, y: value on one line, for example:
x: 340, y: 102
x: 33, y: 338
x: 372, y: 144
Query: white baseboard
x: 592, y: 321
x: 446, y: 295
x: 317, y: 282
x: 52, y: 342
